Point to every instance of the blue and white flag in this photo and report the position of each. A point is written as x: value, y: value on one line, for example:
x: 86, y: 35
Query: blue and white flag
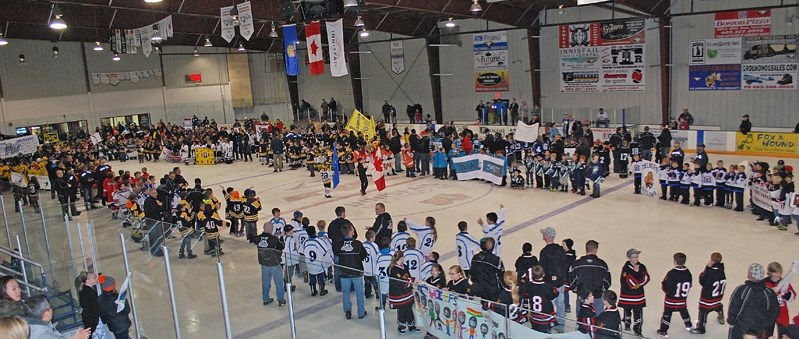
x: 336, y: 178
x: 290, y: 46
x: 123, y: 294
x: 480, y: 166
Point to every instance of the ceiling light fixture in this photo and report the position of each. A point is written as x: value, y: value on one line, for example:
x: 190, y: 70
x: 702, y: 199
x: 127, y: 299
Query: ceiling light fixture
x: 57, y: 22
x: 208, y: 42
x: 476, y: 7
x: 350, y: 3
x: 3, y: 40
x: 116, y: 57
x: 156, y: 37
x: 152, y: 1
x: 55, y: 52
x: 241, y: 48
x: 234, y: 16
x: 97, y: 46
x: 450, y: 23
x: 359, y: 22
x: 22, y: 59
x: 561, y: 11
x: 364, y: 33
x: 195, y: 52
x: 273, y: 33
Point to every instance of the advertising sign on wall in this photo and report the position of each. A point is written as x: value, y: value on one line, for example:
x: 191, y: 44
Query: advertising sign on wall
x: 714, y: 77
x: 603, y: 34
x: 743, y: 23
x: 715, y: 51
x: 767, y: 142
x: 769, y: 62
x: 491, y: 62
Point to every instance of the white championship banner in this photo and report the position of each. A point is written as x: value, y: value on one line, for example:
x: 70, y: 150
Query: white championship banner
x: 761, y: 196
x: 479, y: 166
x: 18, y: 146
x: 525, y: 132
x: 650, y: 183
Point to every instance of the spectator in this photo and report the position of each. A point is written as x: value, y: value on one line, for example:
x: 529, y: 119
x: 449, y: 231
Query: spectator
x: 39, y: 315
x: 87, y: 294
x: 555, y: 263
x: 590, y: 274
x: 665, y: 141
x: 383, y: 224
x: 514, y: 112
x: 14, y: 328
x: 10, y: 297
x: 334, y: 231
x: 796, y: 129
x: 746, y: 125
x: 486, y: 272
x: 118, y: 322
x: 687, y: 117
x: 647, y: 141
x: 602, y: 118
x: 753, y: 307
x: 270, y: 250
x: 351, y: 254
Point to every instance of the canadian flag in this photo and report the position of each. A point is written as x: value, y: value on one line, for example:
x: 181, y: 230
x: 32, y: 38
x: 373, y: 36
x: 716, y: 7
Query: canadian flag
x: 313, y: 40
x: 377, y: 174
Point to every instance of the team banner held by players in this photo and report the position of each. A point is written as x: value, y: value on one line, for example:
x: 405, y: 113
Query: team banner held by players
x: 359, y: 123
x: 767, y: 142
x: 755, y: 22
x: 649, y: 177
x: 479, y: 166
x: 290, y: 46
x: 446, y: 314
x: 761, y: 196
x: 313, y: 39
x: 602, y: 57
x: 491, y: 62
x: 769, y: 62
x: 525, y: 132
x: 397, y: 57
x: 335, y: 41
x: 204, y: 156
x: 18, y: 146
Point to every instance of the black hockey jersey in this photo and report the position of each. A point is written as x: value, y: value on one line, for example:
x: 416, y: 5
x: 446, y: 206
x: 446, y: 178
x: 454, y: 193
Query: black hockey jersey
x: 713, y: 281
x: 609, y: 322
x: 585, y: 317
x: 524, y: 266
x: 632, y: 286
x: 676, y: 285
x: 537, y: 296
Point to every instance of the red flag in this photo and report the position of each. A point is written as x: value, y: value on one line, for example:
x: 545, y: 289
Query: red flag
x: 313, y: 40
x: 377, y: 175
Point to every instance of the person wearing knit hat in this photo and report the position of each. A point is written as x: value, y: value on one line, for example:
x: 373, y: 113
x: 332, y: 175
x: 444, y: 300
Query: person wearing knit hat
x: 754, y: 308
x: 555, y: 263
x: 634, y: 276
x: 118, y: 322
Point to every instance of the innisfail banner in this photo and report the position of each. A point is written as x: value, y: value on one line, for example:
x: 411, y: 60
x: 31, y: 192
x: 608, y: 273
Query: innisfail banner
x: 18, y: 146
x: 480, y: 166
x: 335, y: 41
x: 445, y: 314
x: 491, y: 62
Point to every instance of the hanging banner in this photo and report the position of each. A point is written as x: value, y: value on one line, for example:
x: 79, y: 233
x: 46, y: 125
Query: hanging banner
x: 649, y: 177
x: 290, y: 46
x: 749, y: 23
x: 491, y: 62
x: 769, y: 62
x: 114, y: 78
x: 146, y: 43
x: 768, y: 142
x: 335, y: 43
x: 714, y: 78
x: 165, y: 28
x: 623, y: 32
x: 228, y: 29
x: 313, y: 39
x: 525, y: 132
x: 18, y: 146
x: 479, y: 166
x: 397, y: 57
x: 246, y: 25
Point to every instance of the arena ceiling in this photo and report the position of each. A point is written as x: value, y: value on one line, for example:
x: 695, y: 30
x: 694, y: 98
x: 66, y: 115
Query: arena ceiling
x: 193, y: 20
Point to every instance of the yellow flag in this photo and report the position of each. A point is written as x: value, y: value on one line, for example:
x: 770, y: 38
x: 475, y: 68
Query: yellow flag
x: 360, y: 123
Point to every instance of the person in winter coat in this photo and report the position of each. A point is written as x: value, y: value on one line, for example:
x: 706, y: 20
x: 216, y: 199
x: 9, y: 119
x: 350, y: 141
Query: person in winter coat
x: 634, y: 277
x: 400, y: 294
x: 753, y: 307
x: 440, y: 164
x: 10, y: 297
x: 87, y: 294
x: 590, y: 274
x: 117, y: 322
x: 486, y: 272
x: 39, y: 315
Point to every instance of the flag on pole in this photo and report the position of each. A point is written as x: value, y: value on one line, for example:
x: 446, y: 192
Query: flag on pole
x: 335, y: 41
x: 123, y: 294
x: 290, y: 45
x: 377, y: 175
x: 336, y: 178
x: 313, y: 39
x: 359, y: 123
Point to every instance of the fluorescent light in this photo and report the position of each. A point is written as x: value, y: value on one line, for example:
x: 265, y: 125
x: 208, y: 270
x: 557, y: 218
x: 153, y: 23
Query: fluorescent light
x: 359, y: 22
x: 152, y: 1
x: 241, y: 48
x: 22, y: 59
x: 476, y: 7
x: 3, y: 40
x: 195, y: 52
x: 364, y: 33
x: 361, y: 52
x: 450, y: 23
x: 350, y: 3
x: 441, y: 45
x: 116, y: 57
x: 97, y: 46
x: 208, y: 42
x: 443, y: 74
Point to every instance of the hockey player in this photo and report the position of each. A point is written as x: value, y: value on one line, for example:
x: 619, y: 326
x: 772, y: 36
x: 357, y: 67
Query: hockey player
x: 427, y: 267
x: 595, y: 173
x: 382, y: 265
x: 713, y: 281
x: 370, y: 265
x: 784, y: 296
x: 251, y: 206
x: 537, y: 295
x: 466, y: 245
x: 708, y: 185
x: 235, y: 213
x: 209, y: 221
x: 663, y: 178
x: 609, y: 321
x: 585, y: 316
x: 634, y: 277
x: 579, y: 174
x: 674, y: 175
x: 327, y: 175
x: 185, y: 225
x: 291, y: 254
x: 316, y: 253
x: 413, y: 259
x: 493, y: 227
x: 622, y: 155
x: 676, y: 286
x: 399, y: 237
x: 696, y: 182
x: 635, y: 168
x: 426, y: 233
x: 685, y: 184
x: 739, y: 183
x: 278, y: 222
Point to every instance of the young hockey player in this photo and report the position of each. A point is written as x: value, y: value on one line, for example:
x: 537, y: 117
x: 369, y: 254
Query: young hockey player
x: 708, y: 185
x: 524, y: 264
x: 635, y: 168
x: 713, y: 281
x: 382, y: 266
x: 327, y: 178
x: 426, y: 233
x: 251, y: 206
x: 622, y: 154
x: 185, y: 224
x: 529, y: 165
x: 739, y: 183
x: 696, y: 182
x: 291, y: 254
x: 399, y: 238
x: 277, y: 222
x: 595, y: 174
x: 407, y: 160
x: 685, y: 184
x: 675, y: 175
x: 432, y: 260
x: 553, y: 173
x: 466, y: 245
x: 538, y: 295
x: 663, y: 178
x: 413, y: 259
x: 634, y: 277
x: 608, y: 321
x: 719, y: 173
x: 785, y: 295
x: 210, y: 222
x: 493, y: 227
x: 516, y: 179
x: 235, y: 213
x: 400, y: 294
x: 585, y: 316
x: 316, y: 254
x: 676, y: 285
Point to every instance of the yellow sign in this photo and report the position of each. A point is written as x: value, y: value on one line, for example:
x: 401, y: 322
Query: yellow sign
x: 51, y: 137
x: 359, y: 123
x: 767, y: 142
x: 204, y: 156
